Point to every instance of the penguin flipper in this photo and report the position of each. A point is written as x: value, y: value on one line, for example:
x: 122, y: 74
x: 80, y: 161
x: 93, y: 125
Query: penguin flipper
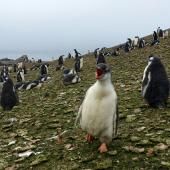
x: 115, y: 122
x: 79, y: 114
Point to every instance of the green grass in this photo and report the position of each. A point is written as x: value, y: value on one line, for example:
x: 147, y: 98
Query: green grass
x: 43, y: 113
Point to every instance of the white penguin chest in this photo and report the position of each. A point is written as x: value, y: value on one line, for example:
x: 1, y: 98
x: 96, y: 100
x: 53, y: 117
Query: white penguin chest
x: 99, y: 107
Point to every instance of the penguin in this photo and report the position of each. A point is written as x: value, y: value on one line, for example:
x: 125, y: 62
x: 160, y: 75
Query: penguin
x: 70, y: 77
x: 43, y: 69
x: 67, y: 71
x: 9, y: 97
x: 96, y: 52
x: 60, y: 60
x: 4, y: 73
x: 69, y: 56
x: 77, y: 54
x: 127, y: 47
x: 155, y: 39
x: 19, y: 85
x: 44, y: 77
x: 141, y: 43
x: 101, y: 58
x: 98, y: 113
x: 155, y: 83
x: 77, y: 65
x: 20, y: 75
x: 160, y: 34
x: 130, y: 43
x: 81, y: 63
x: 15, y: 68
x: 32, y: 84
x: 28, y: 85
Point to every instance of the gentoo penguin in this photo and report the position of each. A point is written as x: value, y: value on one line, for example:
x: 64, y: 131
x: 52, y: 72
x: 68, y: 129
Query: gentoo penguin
x: 127, y: 47
x: 28, y: 85
x: 34, y: 83
x: 81, y: 63
x: 69, y: 55
x: 43, y: 69
x: 141, y: 43
x: 67, y: 71
x: 155, y: 39
x: 76, y: 54
x: 4, y: 73
x: 43, y: 78
x: 20, y: 75
x: 70, y: 77
x: 9, y: 97
x: 96, y: 52
x: 155, y: 83
x: 60, y: 60
x: 98, y: 113
x: 77, y: 65
x: 101, y: 58
x: 15, y: 67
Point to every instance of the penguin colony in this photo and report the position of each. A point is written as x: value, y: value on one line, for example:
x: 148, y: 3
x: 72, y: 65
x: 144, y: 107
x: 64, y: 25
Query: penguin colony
x: 98, y: 113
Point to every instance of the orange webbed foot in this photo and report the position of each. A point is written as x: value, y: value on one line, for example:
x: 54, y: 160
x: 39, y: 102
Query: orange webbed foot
x: 89, y: 138
x: 103, y: 148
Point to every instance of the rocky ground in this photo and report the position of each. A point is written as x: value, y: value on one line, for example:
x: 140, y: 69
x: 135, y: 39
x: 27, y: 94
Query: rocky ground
x: 29, y: 133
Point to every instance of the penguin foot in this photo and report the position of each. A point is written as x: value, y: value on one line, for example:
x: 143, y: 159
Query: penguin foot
x: 89, y: 138
x: 103, y: 148
x: 59, y: 139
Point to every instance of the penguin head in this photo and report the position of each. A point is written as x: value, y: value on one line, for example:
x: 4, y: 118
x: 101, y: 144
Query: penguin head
x: 154, y: 59
x: 102, y: 71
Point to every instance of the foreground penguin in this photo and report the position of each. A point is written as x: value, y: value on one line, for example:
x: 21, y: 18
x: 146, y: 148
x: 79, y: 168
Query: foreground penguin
x: 155, y: 83
x: 98, y: 113
x: 9, y: 97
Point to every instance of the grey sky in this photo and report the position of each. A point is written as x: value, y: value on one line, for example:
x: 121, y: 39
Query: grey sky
x: 62, y: 25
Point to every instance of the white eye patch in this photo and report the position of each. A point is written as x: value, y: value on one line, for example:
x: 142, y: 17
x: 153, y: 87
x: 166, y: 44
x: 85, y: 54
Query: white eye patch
x: 151, y: 58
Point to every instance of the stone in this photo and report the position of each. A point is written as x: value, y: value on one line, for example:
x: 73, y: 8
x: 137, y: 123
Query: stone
x: 112, y: 152
x: 138, y: 110
x: 134, y: 138
x: 39, y: 159
x: 105, y: 164
x: 130, y: 118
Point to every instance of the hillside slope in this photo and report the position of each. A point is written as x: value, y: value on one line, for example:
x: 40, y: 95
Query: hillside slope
x: 143, y: 140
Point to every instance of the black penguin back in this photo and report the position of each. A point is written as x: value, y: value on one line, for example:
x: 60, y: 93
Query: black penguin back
x: 9, y: 97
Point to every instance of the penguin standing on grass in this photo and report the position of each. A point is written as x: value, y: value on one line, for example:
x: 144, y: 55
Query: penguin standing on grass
x: 101, y: 58
x: 155, y: 83
x: 43, y: 69
x: 98, y: 114
x: 9, y: 97
x: 20, y: 75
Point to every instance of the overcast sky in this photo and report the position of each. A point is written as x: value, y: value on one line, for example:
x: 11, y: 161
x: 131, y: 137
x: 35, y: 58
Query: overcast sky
x: 62, y: 25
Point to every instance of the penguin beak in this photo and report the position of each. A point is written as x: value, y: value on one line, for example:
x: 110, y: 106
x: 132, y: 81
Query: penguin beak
x: 99, y: 72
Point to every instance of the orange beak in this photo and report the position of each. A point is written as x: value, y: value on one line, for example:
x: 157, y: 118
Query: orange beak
x: 99, y: 72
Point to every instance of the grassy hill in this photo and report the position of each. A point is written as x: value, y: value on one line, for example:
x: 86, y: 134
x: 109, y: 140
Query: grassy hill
x: 143, y: 140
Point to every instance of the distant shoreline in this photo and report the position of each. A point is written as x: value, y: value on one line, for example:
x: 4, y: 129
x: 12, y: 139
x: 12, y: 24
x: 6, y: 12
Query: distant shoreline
x: 47, y: 56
